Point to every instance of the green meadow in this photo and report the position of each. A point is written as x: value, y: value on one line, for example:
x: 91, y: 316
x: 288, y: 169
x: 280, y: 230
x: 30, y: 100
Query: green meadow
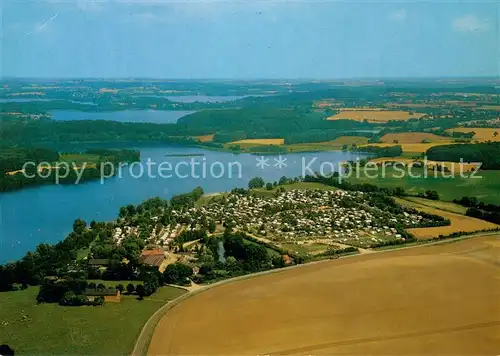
x: 47, y: 329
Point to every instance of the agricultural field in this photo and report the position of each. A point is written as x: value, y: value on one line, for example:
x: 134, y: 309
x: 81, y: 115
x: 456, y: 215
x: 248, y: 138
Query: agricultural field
x: 438, y: 204
x: 459, y: 222
x: 50, y: 329
x: 414, y: 137
x: 259, y: 141
x: 336, y: 144
x: 375, y: 115
x: 453, y: 167
x: 390, y: 302
x: 482, y: 134
x: 491, y: 107
x: 485, y: 185
x: 409, y: 147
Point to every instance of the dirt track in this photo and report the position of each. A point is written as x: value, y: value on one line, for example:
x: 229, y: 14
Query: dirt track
x: 441, y: 299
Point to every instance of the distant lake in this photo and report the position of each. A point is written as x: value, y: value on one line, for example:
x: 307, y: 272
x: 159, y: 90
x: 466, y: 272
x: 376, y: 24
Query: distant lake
x: 150, y: 116
x: 28, y: 100
x: 46, y: 213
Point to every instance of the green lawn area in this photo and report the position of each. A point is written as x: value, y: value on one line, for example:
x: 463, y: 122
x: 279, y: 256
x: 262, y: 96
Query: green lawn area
x: 306, y: 248
x: 485, y: 189
x: 49, y: 329
x: 300, y: 185
x: 205, y: 199
x: 442, y: 205
x: 79, y: 159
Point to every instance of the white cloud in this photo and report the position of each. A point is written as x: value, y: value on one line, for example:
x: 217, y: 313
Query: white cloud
x: 398, y: 15
x: 470, y: 23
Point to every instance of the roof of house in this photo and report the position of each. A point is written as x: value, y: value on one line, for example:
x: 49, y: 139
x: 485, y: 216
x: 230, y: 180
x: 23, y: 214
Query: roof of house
x: 152, y: 260
x: 152, y: 252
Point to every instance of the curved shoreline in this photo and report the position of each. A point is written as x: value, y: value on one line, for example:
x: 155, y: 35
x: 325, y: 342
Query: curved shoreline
x: 144, y: 339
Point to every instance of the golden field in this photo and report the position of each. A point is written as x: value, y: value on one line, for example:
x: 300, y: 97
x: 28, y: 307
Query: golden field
x: 427, y: 300
x: 458, y: 222
x: 482, y: 134
x: 374, y: 115
x: 260, y: 141
x: 414, y: 137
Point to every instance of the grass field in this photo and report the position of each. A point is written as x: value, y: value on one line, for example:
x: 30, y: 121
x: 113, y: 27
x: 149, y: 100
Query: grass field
x: 482, y: 134
x: 459, y: 222
x: 414, y: 137
x: 79, y: 159
x: 49, y: 329
x: 455, y: 167
x: 485, y: 188
x: 491, y: 107
x: 439, y: 299
x: 439, y: 204
x: 374, y: 115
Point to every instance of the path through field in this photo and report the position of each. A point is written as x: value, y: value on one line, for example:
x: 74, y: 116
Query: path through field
x: 439, y: 299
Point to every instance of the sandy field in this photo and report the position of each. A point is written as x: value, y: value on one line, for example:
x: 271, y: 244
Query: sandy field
x: 261, y: 141
x: 458, y: 222
x: 374, y: 115
x: 482, y: 134
x: 440, y: 299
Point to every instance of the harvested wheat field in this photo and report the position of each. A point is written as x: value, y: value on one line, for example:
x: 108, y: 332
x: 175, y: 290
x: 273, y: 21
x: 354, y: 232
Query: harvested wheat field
x: 414, y: 137
x: 482, y: 134
x: 458, y: 222
x: 439, y: 299
x: 374, y: 115
x: 261, y: 141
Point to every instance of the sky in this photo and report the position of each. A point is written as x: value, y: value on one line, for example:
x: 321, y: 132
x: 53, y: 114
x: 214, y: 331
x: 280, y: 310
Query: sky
x: 194, y: 39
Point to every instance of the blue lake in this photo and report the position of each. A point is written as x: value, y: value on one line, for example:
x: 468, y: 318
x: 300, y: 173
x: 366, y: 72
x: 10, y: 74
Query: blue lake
x: 46, y: 213
x: 151, y: 116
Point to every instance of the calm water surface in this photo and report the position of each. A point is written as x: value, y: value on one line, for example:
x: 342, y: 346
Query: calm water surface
x: 45, y: 214
x: 150, y: 116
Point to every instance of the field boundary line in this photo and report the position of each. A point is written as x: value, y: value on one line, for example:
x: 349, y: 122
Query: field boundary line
x: 147, y: 331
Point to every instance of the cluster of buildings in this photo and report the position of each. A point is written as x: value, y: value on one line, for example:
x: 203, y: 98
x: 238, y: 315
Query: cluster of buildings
x: 293, y: 216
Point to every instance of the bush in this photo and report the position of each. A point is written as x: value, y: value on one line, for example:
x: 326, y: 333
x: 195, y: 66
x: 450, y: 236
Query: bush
x: 73, y: 300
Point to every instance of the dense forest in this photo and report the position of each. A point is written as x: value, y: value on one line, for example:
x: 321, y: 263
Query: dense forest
x: 13, y: 159
x: 488, y: 153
